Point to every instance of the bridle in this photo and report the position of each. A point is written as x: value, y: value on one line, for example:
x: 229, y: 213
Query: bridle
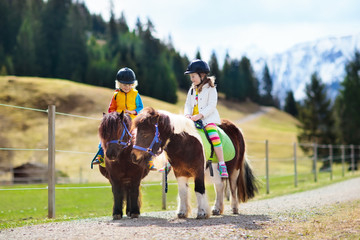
x: 120, y: 140
x: 156, y: 139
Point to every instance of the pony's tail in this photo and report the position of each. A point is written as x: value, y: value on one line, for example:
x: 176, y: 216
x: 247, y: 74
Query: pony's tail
x: 247, y: 182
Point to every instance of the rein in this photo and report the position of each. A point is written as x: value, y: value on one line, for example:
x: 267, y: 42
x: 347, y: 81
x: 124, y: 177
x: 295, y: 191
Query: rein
x: 156, y: 139
x: 120, y: 140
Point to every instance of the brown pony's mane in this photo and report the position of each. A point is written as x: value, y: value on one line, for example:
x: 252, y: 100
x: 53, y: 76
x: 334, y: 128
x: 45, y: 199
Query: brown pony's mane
x: 111, y: 125
x: 149, y: 117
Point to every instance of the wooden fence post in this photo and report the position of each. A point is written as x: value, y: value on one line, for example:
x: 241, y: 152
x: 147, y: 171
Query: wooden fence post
x: 51, y: 161
x: 331, y: 161
x: 343, y: 159
x: 295, y: 166
x: 267, y: 166
x: 352, y: 158
x: 315, y: 162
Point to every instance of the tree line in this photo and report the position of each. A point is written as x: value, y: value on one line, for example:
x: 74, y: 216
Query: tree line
x: 62, y: 39
x: 325, y: 122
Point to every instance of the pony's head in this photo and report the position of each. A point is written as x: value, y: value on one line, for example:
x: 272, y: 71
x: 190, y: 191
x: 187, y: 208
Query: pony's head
x: 150, y: 132
x: 114, y: 133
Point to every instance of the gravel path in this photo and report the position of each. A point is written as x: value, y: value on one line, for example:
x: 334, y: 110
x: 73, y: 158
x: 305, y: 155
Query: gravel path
x: 262, y: 111
x: 164, y: 225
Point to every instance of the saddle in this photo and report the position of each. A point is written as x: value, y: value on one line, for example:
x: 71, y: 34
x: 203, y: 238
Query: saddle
x: 228, y: 146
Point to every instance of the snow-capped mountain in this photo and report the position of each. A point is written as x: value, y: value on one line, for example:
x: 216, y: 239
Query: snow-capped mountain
x: 292, y: 69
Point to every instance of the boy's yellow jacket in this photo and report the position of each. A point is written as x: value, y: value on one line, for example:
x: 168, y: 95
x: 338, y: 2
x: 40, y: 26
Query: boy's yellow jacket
x: 122, y: 101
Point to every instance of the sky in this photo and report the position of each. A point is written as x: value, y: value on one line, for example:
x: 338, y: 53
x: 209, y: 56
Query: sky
x: 237, y: 27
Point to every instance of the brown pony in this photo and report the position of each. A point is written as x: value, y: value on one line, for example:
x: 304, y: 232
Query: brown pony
x: 124, y: 176
x: 177, y: 136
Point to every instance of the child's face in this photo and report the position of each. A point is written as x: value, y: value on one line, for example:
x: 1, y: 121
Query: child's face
x: 126, y: 87
x: 195, y: 78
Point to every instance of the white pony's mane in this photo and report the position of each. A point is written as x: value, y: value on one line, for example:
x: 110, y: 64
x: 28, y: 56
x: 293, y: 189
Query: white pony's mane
x: 182, y: 124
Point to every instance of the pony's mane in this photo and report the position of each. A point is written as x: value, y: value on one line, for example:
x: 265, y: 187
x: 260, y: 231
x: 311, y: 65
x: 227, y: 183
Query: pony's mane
x: 178, y: 123
x: 181, y: 124
x: 110, y: 124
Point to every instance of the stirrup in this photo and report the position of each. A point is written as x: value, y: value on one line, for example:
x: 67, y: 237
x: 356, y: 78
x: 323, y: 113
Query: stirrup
x: 98, y: 158
x: 167, y: 167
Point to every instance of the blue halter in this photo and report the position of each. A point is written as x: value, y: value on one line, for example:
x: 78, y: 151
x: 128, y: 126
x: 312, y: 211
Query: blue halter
x: 120, y: 140
x: 155, y: 140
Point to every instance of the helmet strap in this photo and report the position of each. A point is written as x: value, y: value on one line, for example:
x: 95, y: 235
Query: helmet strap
x: 201, y: 80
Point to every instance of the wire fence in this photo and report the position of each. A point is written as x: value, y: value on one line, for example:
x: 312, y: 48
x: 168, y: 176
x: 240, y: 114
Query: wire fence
x: 347, y: 154
x: 270, y: 160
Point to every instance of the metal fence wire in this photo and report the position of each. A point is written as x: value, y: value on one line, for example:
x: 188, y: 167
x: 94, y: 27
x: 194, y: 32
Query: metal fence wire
x: 291, y: 165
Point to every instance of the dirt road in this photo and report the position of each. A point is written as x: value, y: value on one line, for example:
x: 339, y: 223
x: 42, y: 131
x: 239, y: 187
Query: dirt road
x: 164, y: 225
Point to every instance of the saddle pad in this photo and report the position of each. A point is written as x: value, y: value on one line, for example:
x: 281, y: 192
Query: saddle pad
x: 228, y: 147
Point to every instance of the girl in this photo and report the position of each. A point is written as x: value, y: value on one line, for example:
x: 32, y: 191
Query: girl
x: 126, y: 98
x: 201, y: 105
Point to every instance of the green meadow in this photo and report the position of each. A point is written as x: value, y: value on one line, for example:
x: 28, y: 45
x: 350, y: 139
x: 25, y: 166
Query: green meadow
x: 85, y: 193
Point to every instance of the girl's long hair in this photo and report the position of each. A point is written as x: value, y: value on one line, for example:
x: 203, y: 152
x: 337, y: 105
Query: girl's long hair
x: 205, y: 80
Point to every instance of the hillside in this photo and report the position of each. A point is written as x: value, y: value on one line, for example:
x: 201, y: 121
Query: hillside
x: 26, y: 129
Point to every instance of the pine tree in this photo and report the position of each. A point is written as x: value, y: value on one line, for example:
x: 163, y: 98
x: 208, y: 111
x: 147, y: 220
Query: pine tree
x: 316, y: 116
x: 226, y: 76
x: 72, y: 63
x: 98, y: 26
x: 25, y: 61
x: 290, y: 104
x: 113, y: 36
x: 53, y: 22
x: 198, y: 55
x: 267, y: 98
x: 214, y: 70
x: 139, y: 27
x: 11, y: 17
x: 250, y: 84
x: 123, y: 27
x: 348, y: 103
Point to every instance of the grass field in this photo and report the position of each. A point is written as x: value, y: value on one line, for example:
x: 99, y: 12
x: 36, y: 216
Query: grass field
x: 27, y: 129
x: 27, y: 204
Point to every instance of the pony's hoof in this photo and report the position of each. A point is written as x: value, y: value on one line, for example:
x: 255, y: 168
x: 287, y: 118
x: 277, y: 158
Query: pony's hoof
x: 216, y: 212
x: 202, y: 216
x: 134, y: 215
x: 117, y: 217
x: 181, y: 215
x: 235, y: 211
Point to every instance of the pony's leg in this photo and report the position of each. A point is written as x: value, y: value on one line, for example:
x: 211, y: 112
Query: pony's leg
x: 233, y: 179
x: 132, y: 203
x: 203, y: 206
x: 219, y: 186
x: 118, y: 194
x: 183, y: 205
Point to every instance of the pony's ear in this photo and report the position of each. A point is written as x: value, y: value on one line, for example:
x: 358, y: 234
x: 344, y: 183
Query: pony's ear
x: 121, y: 115
x: 104, y: 114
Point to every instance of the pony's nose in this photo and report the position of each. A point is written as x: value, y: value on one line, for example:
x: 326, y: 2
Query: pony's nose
x: 111, y: 154
x: 133, y: 158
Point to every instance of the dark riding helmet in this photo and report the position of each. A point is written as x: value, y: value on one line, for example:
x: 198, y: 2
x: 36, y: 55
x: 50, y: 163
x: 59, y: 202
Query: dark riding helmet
x: 126, y: 76
x: 197, y: 66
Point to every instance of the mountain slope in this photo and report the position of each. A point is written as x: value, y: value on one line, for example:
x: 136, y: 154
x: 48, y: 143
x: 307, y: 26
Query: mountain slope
x: 292, y: 69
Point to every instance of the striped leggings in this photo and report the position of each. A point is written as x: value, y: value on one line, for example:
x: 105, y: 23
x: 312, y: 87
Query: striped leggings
x: 211, y: 128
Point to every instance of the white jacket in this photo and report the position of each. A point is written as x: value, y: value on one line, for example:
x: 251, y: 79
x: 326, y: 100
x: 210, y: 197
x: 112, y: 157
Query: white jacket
x: 207, y: 101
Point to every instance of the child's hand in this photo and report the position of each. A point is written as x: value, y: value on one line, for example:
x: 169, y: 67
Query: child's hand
x: 197, y: 117
x: 188, y: 116
x: 130, y: 112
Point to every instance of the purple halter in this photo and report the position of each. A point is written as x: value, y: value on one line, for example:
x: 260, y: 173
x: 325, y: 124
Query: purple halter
x: 120, y: 140
x: 156, y: 139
